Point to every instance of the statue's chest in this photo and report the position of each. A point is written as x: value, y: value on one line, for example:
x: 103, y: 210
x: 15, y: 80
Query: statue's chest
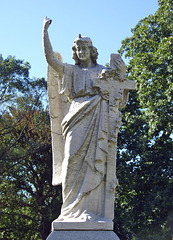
x: 83, y: 81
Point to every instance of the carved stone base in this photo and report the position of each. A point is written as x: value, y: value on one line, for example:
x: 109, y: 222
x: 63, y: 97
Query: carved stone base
x: 84, y: 235
x: 82, y: 226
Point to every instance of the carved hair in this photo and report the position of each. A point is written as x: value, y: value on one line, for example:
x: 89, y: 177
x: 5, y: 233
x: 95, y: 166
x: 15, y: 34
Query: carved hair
x: 93, y: 50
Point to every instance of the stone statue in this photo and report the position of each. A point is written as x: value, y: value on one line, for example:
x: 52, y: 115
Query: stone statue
x: 84, y: 102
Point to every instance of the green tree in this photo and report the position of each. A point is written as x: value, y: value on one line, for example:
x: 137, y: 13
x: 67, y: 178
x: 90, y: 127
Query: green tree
x: 28, y: 200
x: 143, y: 205
x: 151, y: 65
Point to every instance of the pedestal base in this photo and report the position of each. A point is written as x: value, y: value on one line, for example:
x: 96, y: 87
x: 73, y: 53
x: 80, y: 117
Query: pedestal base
x: 82, y: 226
x: 84, y: 235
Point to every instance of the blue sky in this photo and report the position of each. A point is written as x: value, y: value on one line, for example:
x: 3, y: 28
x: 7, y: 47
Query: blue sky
x: 107, y: 23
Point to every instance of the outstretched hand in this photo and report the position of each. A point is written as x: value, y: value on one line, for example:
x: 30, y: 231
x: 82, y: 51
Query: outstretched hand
x: 46, y: 23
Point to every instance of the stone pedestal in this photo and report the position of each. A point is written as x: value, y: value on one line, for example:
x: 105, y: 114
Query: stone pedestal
x: 82, y: 235
x: 100, y: 230
x: 82, y: 226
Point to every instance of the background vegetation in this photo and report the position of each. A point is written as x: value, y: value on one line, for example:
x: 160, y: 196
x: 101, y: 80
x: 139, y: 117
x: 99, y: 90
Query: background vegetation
x: 143, y: 201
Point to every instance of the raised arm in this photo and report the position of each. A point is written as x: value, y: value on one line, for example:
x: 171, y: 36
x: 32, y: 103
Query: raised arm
x: 56, y: 64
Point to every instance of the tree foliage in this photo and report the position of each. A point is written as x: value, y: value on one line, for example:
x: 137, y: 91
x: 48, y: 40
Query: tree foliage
x: 14, y: 79
x: 29, y: 202
x: 144, y: 207
x: 143, y: 203
x: 151, y: 65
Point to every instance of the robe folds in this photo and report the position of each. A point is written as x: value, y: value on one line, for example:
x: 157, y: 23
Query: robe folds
x: 85, y: 130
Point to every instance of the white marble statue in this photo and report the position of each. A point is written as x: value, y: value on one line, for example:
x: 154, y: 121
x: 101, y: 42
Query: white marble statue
x: 84, y: 101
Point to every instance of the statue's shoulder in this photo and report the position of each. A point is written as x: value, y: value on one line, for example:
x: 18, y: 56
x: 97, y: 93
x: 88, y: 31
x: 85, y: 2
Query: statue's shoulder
x: 100, y: 68
x: 67, y: 65
x: 68, y: 68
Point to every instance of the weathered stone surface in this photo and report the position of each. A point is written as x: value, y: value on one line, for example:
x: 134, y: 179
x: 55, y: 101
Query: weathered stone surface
x: 84, y: 101
x: 90, y: 225
x: 84, y: 235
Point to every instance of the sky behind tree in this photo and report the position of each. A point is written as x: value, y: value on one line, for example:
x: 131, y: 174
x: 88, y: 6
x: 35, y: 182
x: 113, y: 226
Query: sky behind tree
x: 107, y: 23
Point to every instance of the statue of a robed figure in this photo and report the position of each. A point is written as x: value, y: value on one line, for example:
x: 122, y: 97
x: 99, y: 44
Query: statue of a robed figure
x: 84, y: 103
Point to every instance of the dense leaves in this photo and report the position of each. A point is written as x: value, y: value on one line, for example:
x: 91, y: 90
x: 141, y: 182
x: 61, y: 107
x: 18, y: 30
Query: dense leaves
x: 28, y: 200
x: 144, y: 206
x: 143, y: 202
x: 150, y: 50
x: 14, y: 79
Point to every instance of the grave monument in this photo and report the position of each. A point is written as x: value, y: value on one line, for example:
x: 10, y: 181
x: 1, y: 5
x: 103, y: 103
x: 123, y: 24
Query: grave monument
x: 84, y: 103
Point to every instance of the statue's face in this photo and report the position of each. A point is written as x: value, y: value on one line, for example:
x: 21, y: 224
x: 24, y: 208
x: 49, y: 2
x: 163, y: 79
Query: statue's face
x: 83, y: 51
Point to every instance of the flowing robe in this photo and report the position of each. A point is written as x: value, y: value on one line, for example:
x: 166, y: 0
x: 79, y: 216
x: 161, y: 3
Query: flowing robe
x: 85, y: 129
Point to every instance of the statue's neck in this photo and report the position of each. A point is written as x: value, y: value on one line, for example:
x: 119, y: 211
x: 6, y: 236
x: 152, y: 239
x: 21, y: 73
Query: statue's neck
x: 87, y: 64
